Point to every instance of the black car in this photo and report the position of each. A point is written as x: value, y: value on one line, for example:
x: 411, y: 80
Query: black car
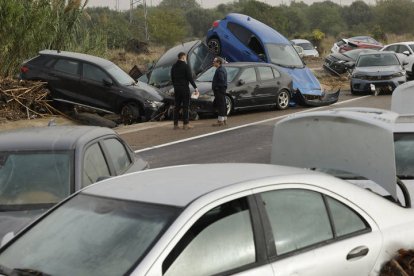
x: 337, y: 63
x: 250, y: 85
x: 40, y: 166
x: 93, y: 82
x: 199, y: 58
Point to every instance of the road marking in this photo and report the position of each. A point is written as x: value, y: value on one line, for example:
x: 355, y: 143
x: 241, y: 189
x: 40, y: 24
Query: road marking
x: 242, y: 126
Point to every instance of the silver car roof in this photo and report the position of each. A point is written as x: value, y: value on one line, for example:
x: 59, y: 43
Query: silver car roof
x: 180, y: 185
x: 355, y: 140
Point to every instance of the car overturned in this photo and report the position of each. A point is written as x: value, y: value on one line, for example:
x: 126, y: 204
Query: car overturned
x: 238, y: 37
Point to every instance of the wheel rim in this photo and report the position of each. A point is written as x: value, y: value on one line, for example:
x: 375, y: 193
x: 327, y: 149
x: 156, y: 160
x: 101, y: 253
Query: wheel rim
x: 214, y: 46
x: 229, y: 105
x: 283, y: 99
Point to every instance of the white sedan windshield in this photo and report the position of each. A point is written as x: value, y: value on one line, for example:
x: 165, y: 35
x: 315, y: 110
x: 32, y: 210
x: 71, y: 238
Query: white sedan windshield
x: 89, y: 235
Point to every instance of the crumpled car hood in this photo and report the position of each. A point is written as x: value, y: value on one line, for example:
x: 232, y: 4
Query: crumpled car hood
x: 304, y: 80
x: 147, y: 91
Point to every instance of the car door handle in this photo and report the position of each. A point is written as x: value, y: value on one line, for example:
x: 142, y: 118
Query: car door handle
x: 257, y: 86
x: 357, y: 252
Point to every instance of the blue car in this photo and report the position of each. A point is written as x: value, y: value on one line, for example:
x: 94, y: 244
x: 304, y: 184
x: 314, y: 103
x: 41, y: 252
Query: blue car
x: 239, y: 37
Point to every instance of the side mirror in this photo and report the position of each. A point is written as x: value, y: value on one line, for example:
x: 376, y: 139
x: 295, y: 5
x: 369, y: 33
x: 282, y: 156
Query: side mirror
x: 405, y: 63
x: 6, y: 238
x: 407, y: 53
x: 107, y: 82
x: 241, y: 82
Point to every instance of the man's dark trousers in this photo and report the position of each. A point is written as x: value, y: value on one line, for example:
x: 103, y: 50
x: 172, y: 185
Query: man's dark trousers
x: 182, y: 100
x: 220, y: 101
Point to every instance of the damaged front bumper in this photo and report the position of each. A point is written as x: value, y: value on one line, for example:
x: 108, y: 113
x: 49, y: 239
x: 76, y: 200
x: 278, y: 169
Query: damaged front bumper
x: 316, y: 100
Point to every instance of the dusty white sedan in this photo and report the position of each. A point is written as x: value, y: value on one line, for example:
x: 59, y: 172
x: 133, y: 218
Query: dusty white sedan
x: 244, y: 219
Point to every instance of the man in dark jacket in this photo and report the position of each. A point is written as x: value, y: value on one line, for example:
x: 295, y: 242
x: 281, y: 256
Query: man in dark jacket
x: 181, y: 78
x: 219, y: 86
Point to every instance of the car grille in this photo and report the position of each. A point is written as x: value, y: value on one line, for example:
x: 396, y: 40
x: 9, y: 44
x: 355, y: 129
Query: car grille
x: 388, y: 77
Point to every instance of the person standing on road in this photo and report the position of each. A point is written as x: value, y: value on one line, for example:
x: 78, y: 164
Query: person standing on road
x: 219, y: 86
x: 181, y: 78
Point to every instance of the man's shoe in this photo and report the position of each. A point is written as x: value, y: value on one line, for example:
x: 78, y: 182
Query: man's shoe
x: 218, y: 124
x: 187, y: 126
x: 176, y: 127
x: 225, y: 122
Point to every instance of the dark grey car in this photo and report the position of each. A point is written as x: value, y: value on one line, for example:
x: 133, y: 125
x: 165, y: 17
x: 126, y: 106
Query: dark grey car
x: 250, y: 85
x: 199, y: 58
x: 94, y: 82
x: 41, y: 166
x: 377, y: 72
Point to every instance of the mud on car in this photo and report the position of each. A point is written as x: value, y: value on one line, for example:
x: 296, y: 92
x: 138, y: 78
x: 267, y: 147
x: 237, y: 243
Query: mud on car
x: 93, y: 82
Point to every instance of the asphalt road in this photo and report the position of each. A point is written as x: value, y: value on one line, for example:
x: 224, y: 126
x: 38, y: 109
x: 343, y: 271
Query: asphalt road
x: 247, y: 138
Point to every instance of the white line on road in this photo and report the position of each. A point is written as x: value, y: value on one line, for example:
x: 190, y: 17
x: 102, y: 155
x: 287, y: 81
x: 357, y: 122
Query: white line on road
x: 242, y: 126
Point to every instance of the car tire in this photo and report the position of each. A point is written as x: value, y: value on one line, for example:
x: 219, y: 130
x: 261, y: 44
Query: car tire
x: 214, y: 46
x: 130, y: 113
x: 229, y: 105
x: 282, y: 99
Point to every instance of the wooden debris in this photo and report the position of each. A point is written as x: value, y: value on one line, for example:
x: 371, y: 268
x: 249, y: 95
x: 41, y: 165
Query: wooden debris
x: 24, y: 100
x: 401, y: 265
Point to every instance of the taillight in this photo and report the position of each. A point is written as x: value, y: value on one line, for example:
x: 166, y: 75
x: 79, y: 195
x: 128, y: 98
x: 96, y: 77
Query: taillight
x: 216, y: 23
x: 24, y: 69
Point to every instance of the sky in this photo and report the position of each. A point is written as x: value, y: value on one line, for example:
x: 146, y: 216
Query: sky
x: 207, y: 4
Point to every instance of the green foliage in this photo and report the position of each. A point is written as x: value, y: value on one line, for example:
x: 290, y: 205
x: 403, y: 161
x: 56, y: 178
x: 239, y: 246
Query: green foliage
x: 357, y: 15
x: 200, y: 20
x: 326, y: 16
x: 183, y: 5
x: 167, y: 26
x: 395, y: 16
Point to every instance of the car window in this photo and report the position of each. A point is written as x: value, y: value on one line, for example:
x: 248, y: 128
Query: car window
x: 300, y: 218
x: 34, y: 177
x: 412, y: 47
x: 208, y: 75
x: 91, y: 72
x: 67, y: 66
x: 383, y: 59
x: 345, y: 220
x: 94, y: 165
x: 265, y: 73
x: 200, y: 58
x: 160, y: 76
x: 402, y: 49
x: 404, y: 155
x: 306, y: 46
x: 118, y: 154
x: 248, y: 75
x: 392, y: 48
x: 276, y: 73
x: 219, y: 241
x: 240, y: 32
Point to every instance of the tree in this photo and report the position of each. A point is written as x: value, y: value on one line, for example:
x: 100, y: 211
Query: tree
x: 326, y: 16
x: 167, y: 26
x: 200, y: 20
x: 395, y: 16
x: 183, y: 5
x: 357, y: 15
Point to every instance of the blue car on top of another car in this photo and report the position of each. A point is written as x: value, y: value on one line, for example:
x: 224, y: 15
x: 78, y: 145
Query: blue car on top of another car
x: 239, y: 37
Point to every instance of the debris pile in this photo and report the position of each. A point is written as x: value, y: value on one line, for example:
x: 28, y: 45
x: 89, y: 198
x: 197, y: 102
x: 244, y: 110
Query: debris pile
x: 400, y: 265
x: 24, y: 100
